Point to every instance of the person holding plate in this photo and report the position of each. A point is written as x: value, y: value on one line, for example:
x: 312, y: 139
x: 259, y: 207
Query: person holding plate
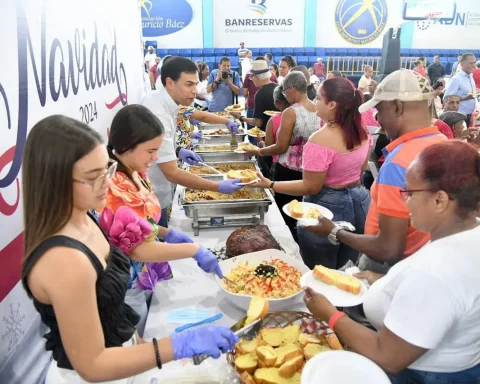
x: 425, y: 310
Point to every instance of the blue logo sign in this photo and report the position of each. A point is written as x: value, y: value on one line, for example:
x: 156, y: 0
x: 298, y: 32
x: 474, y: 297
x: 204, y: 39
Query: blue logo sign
x: 259, y: 6
x: 361, y: 21
x: 164, y: 17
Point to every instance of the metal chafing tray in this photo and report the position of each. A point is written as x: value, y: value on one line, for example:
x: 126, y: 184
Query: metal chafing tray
x: 219, y: 156
x: 226, y: 213
x: 221, y: 139
x: 213, y: 164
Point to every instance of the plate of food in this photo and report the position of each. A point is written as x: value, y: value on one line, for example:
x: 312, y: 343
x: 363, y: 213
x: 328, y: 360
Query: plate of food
x: 340, y: 288
x: 271, y: 113
x: 221, y: 114
x: 307, y: 213
x: 235, y: 108
x: 255, y: 132
x: 246, y: 175
x: 243, y: 147
x: 270, y: 274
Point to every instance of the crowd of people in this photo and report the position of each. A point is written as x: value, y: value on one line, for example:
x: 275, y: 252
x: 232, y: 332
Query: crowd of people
x: 92, y: 262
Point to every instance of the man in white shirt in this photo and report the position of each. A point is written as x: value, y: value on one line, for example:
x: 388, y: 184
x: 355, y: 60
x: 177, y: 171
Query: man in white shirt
x: 150, y: 57
x: 242, y: 54
x: 180, y: 79
x: 246, y: 64
x: 366, y: 79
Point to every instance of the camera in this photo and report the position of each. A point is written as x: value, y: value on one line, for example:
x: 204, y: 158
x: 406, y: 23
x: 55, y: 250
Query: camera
x: 226, y: 74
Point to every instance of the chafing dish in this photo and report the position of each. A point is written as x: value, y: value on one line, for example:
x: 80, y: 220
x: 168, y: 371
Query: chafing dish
x: 221, y: 138
x: 236, y: 165
x: 210, y: 154
x: 226, y: 213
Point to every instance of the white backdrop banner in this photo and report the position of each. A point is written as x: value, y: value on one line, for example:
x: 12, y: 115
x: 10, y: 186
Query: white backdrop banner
x: 461, y: 32
x: 173, y: 23
x: 260, y: 23
x: 81, y: 59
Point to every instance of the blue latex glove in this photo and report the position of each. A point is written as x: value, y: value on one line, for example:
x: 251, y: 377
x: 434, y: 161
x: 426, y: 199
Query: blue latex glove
x: 189, y: 157
x: 194, y: 122
x: 197, y: 135
x: 232, y: 127
x: 229, y: 186
x: 175, y: 237
x: 211, y: 340
x: 207, y: 261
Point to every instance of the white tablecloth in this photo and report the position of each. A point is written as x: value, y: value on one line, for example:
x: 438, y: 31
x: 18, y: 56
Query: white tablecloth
x: 192, y: 287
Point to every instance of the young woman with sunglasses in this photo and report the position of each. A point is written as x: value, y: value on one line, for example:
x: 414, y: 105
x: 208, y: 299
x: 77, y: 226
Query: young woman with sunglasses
x: 76, y: 279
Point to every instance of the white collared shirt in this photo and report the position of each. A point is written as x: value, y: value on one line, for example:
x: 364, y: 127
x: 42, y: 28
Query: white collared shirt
x: 161, y: 104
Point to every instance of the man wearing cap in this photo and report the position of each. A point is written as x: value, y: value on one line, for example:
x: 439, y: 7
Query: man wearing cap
x: 260, y: 76
x: 402, y: 103
x: 150, y: 58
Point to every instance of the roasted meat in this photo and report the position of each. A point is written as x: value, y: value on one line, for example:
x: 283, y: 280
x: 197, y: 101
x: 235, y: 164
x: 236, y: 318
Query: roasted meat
x: 250, y: 239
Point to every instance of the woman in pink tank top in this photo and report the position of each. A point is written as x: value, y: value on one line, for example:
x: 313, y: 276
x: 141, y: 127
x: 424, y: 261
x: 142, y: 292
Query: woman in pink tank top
x: 333, y: 160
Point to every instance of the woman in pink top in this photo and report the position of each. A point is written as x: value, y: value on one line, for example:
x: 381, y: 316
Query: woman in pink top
x: 420, y: 67
x: 333, y: 160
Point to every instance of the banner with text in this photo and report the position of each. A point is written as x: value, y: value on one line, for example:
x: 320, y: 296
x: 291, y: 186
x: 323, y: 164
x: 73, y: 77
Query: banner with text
x: 80, y: 59
x: 173, y: 23
x: 258, y: 23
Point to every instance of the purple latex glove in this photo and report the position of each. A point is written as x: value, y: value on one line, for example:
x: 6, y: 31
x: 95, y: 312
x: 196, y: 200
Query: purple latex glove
x: 189, y: 157
x: 207, y: 261
x: 229, y: 186
x: 194, y: 122
x: 211, y: 340
x: 175, y: 237
x: 232, y: 127
x: 197, y: 135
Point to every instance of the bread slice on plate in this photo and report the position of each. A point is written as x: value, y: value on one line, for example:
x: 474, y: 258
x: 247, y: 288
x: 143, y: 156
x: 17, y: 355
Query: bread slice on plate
x: 257, y: 309
x: 246, y: 175
x: 349, y: 284
x: 267, y: 355
x: 327, y: 275
x: 246, y: 363
x: 296, y: 209
x: 311, y: 350
x: 291, y: 366
x: 306, y: 338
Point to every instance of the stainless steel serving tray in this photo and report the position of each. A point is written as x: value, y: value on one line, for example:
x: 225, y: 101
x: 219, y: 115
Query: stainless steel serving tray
x: 220, y: 139
x: 219, y: 156
x: 218, y: 176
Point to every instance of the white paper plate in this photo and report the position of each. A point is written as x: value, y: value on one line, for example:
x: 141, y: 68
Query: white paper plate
x: 263, y: 134
x: 306, y: 206
x: 336, y: 296
x: 271, y: 113
x: 235, y: 110
x: 342, y: 367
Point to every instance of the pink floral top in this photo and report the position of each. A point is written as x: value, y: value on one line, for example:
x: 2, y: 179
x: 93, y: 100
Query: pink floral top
x: 306, y: 123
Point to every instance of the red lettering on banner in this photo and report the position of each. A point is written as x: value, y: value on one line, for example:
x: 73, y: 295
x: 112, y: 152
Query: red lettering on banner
x: 11, y: 259
x: 5, y: 208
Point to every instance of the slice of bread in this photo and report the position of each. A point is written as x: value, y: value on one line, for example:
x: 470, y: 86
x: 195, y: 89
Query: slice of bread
x: 332, y: 277
x: 291, y: 366
x: 311, y: 350
x: 247, y: 346
x: 314, y: 213
x: 272, y: 336
x: 247, y: 378
x: 257, y: 309
x: 333, y: 341
x: 349, y: 284
x: 246, y: 363
x: 267, y: 355
x: 306, y: 338
x: 287, y: 352
x: 327, y: 275
x: 295, y: 209
x: 246, y: 175
x: 272, y: 376
x: 291, y: 334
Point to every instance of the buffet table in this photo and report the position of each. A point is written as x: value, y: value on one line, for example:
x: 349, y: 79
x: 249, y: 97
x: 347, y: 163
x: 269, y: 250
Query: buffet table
x: 191, y: 287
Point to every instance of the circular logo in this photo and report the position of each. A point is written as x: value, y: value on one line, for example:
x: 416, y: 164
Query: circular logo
x: 361, y: 21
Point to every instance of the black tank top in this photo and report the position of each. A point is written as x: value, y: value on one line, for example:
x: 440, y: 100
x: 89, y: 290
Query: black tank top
x: 117, y: 318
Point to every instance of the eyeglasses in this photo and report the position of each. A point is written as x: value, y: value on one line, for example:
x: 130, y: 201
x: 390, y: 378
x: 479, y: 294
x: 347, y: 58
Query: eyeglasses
x: 407, y: 193
x: 98, y: 182
x: 284, y: 92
